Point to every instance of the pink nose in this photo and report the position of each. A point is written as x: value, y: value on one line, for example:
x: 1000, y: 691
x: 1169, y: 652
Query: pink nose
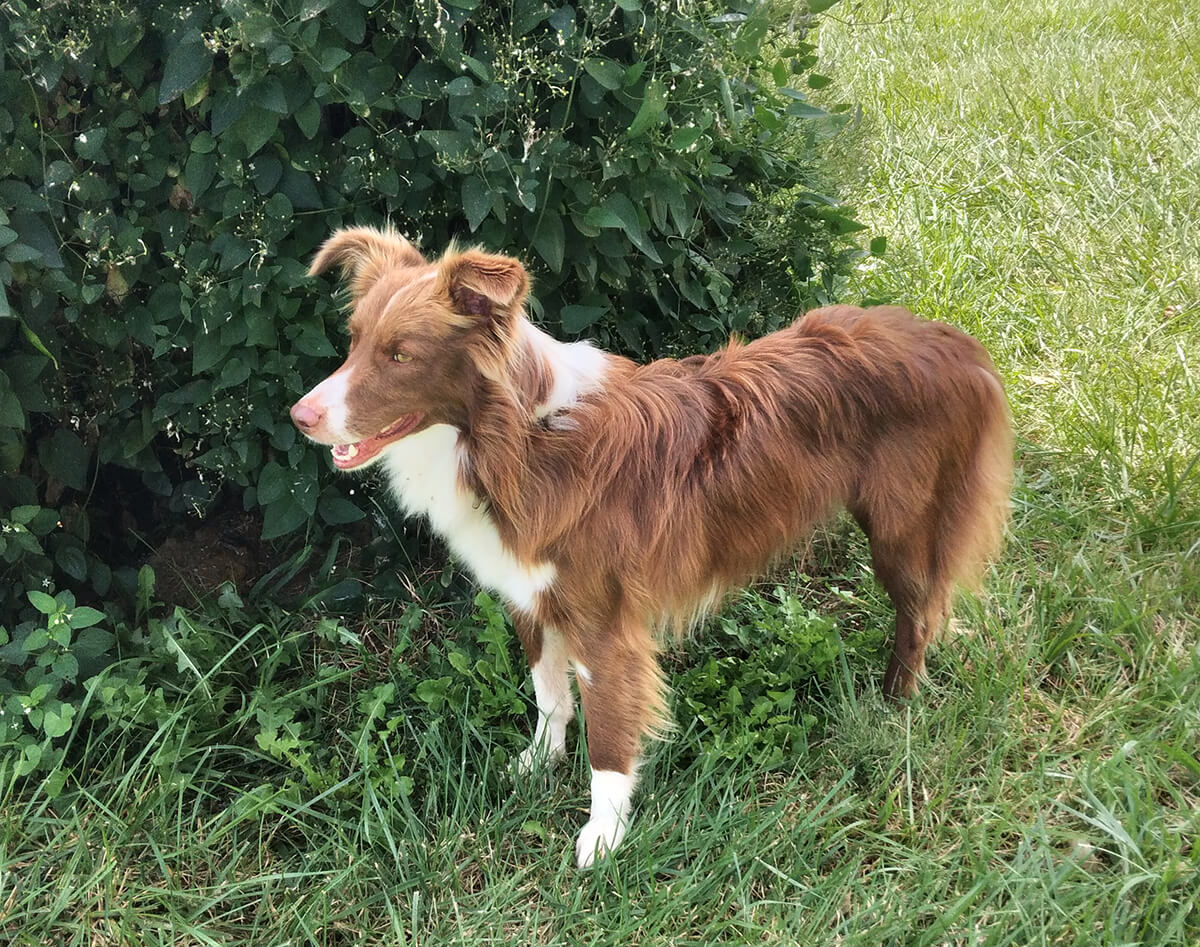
x: 306, y: 416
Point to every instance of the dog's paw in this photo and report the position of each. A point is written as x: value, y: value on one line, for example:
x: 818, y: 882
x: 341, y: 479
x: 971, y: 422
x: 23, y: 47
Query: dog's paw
x: 538, y: 757
x: 597, y: 839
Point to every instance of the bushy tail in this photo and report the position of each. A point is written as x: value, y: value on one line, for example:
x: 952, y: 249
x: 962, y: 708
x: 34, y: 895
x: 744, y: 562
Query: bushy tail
x: 974, y: 519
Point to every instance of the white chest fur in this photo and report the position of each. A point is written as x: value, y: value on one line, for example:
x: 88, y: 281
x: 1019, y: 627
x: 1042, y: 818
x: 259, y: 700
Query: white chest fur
x: 423, y: 471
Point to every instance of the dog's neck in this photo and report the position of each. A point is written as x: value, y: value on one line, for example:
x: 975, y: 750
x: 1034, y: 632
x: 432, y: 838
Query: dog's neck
x: 543, y: 379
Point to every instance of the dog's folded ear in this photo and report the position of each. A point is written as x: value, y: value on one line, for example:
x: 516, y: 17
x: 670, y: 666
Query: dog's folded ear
x: 483, y: 284
x: 364, y: 254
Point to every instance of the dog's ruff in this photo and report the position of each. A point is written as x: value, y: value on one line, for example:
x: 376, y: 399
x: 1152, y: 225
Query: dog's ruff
x: 602, y: 499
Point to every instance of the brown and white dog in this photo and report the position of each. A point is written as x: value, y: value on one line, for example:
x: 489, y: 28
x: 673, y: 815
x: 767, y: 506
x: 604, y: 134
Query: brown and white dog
x: 604, y: 500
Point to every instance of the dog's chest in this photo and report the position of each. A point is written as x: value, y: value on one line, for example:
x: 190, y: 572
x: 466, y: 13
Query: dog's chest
x: 423, y: 472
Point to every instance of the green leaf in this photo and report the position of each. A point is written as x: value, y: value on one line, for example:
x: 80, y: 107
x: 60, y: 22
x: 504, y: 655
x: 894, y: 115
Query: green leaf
x: 84, y: 616
x: 31, y: 755
x: 65, y: 458
x: 255, y: 128
x: 878, y: 245
x: 92, y: 643
x: 72, y: 561
x: 606, y: 72
x: 57, y: 720
x: 578, y: 318
x: 476, y: 201
x: 65, y: 667
x: 283, y: 517
x: 23, y: 516
x: 188, y: 62
x: 273, y: 483
x: 805, y: 110
x: 621, y: 207
x: 337, y: 511
x: 308, y: 118
x: 683, y: 138
x: 550, y: 240
x: 653, y: 109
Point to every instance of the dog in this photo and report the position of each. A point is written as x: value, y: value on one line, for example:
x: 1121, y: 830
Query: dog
x: 605, y: 500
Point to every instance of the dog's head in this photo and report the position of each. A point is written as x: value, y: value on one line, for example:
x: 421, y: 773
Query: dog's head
x: 422, y: 336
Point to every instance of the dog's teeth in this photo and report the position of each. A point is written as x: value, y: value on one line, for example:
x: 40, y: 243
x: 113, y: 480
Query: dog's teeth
x: 351, y: 451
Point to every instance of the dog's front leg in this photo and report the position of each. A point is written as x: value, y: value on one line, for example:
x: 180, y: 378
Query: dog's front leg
x: 547, y: 656
x: 621, y: 694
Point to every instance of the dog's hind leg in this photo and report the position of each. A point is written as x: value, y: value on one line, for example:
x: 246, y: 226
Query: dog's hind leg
x: 622, y: 693
x: 913, y: 575
x: 547, y: 655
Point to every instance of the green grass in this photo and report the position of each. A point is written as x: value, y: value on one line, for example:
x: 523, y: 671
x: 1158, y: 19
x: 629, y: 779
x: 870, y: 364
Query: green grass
x: 1036, y: 170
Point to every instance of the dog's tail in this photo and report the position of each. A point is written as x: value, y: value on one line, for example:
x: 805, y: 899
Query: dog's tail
x: 977, y: 505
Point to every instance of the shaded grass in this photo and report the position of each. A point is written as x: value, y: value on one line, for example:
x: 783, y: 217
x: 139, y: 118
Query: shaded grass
x: 1036, y: 172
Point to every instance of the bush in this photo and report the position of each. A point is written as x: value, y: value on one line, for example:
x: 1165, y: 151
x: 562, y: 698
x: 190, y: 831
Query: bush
x: 172, y: 168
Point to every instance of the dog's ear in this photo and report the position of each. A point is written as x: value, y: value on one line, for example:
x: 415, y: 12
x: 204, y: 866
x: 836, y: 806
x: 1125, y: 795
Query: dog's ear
x: 364, y: 254
x: 486, y: 285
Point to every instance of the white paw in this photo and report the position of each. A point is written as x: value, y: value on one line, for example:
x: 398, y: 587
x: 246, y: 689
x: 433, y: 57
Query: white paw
x: 539, y: 755
x: 597, y: 838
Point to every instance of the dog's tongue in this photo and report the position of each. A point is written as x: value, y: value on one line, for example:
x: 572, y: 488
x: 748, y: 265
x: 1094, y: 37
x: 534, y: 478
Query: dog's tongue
x: 349, y: 456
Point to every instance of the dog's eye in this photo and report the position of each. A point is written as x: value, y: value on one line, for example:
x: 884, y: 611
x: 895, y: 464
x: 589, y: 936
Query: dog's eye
x: 401, y: 358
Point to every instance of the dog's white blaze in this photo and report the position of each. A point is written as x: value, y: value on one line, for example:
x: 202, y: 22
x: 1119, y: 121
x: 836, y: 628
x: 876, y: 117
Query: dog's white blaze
x: 555, y: 703
x: 423, y: 470
x: 576, y: 367
x: 612, y: 793
x: 331, y: 396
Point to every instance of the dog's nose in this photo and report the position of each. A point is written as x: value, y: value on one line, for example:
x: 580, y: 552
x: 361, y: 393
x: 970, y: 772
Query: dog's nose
x: 305, y: 416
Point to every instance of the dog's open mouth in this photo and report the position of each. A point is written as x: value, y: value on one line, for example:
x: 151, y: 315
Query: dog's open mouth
x: 349, y: 456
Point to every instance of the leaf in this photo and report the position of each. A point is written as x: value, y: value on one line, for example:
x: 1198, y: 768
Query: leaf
x: 273, y: 483
x: 878, y: 245
x: 57, y: 720
x: 337, y: 511
x: 36, y: 233
x: 621, y: 207
x: 65, y: 667
x: 550, y: 240
x: 92, y: 643
x: 652, y: 111
x: 72, y: 561
x: 255, y: 128
x: 606, y: 72
x: 31, y: 755
x: 476, y: 201
x: 188, y: 62
x: 805, y: 110
x: 578, y: 318
x: 65, y: 458
x: 308, y: 118
x: 282, y: 517
x: 683, y: 138
x: 84, y: 616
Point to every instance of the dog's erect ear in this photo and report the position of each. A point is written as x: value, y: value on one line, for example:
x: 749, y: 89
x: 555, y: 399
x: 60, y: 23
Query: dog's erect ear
x: 364, y: 254
x: 483, y: 284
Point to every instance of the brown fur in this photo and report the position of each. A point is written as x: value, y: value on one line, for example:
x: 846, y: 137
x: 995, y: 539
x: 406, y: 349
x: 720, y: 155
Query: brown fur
x: 676, y: 481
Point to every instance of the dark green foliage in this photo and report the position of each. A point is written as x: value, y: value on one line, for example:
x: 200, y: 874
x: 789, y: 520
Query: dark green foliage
x: 169, y: 170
